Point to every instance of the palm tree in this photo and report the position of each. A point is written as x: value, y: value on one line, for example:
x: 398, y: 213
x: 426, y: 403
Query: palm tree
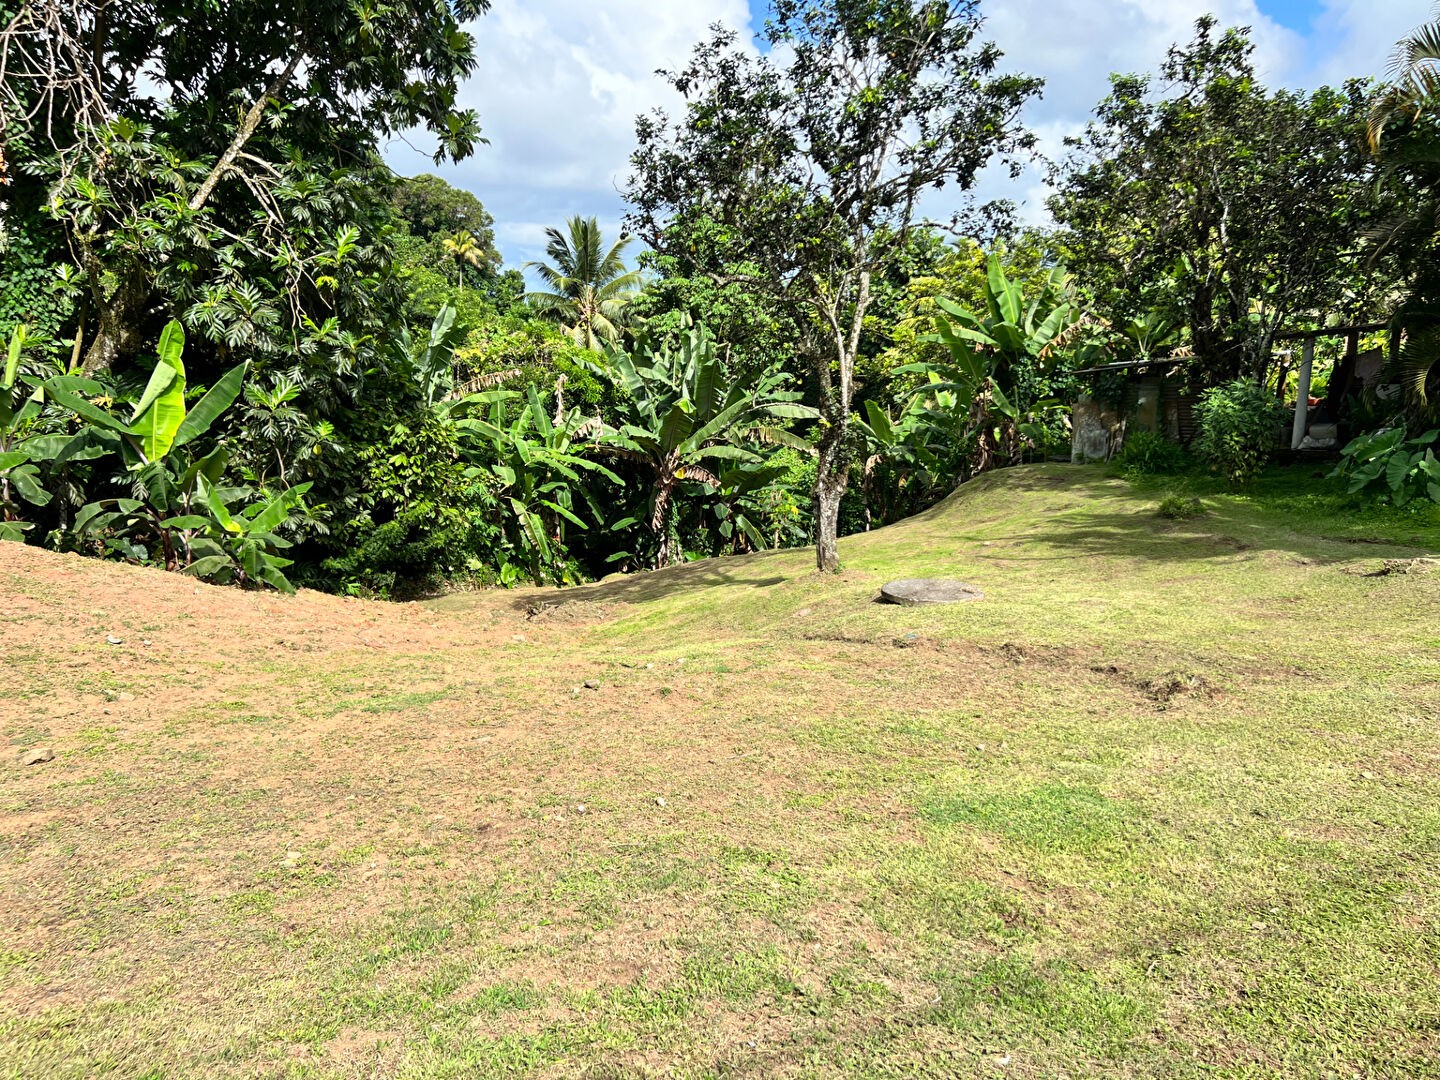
x: 1403, y: 135
x: 463, y: 248
x: 590, y: 289
x: 1414, y: 87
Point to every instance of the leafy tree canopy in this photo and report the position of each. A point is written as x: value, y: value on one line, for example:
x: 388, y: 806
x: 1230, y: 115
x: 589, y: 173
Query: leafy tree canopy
x: 220, y: 159
x: 1237, y: 208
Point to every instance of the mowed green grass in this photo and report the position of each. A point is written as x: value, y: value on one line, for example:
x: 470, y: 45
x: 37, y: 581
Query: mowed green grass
x: 1165, y: 803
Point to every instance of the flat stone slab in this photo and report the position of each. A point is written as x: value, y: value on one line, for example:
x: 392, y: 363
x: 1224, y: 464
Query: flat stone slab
x: 911, y: 592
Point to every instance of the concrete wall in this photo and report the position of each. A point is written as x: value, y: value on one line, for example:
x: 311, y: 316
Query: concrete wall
x: 1099, y: 430
x: 1091, y: 428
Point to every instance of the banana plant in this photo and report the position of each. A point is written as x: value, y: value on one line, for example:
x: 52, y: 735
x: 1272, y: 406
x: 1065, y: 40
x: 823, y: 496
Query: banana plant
x: 23, y: 449
x: 243, y: 547
x: 536, y: 469
x: 978, y: 393
x: 909, y: 443
x: 177, y: 500
x: 19, y: 477
x: 432, y: 361
x: 738, y: 509
x: 159, y: 422
x: 683, y: 415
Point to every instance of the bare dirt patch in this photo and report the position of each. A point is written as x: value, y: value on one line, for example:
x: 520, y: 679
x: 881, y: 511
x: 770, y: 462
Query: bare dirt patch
x: 684, y: 812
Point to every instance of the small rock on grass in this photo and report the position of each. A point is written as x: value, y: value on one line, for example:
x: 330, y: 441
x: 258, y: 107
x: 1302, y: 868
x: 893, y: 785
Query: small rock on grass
x: 592, y: 684
x: 38, y: 756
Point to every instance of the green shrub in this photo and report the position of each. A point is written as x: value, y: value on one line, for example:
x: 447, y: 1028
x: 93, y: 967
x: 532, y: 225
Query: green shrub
x: 1238, y: 429
x: 1147, y: 454
x: 428, y: 518
x: 1180, y: 507
x: 424, y: 547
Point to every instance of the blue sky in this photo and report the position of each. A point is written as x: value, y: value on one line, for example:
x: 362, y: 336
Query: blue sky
x: 559, y: 82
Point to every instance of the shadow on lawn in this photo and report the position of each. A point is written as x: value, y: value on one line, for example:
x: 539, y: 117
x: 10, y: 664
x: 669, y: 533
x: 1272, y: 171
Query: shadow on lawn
x: 637, y: 588
x: 1217, y: 534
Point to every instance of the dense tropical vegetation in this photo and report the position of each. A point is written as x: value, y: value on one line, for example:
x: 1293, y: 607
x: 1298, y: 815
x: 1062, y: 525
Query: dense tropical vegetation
x: 240, y: 347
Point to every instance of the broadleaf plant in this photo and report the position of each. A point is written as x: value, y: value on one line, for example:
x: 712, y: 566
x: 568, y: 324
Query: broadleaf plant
x: 177, y: 501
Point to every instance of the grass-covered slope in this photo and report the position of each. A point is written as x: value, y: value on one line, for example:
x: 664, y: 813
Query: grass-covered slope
x: 1166, y: 802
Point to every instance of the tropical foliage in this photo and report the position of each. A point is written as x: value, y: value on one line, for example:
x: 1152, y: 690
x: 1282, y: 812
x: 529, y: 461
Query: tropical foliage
x: 240, y: 347
x: 798, y: 172
x: 989, y: 391
x: 1232, y: 208
x: 1239, y: 429
x: 684, y: 422
x: 19, y: 473
x: 1397, y: 468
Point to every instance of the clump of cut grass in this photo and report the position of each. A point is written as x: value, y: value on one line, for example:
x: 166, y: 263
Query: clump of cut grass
x: 1180, y: 507
x: 1175, y: 684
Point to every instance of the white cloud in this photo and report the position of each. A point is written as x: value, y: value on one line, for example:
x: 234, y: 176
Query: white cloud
x: 1364, y: 33
x: 558, y: 85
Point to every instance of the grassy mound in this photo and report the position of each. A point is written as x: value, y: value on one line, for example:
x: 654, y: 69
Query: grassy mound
x: 1164, y: 803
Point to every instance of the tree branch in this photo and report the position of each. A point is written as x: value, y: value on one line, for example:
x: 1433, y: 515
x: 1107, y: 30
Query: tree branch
x: 242, y: 136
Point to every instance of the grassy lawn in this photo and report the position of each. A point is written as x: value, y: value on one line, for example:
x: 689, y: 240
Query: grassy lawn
x: 1165, y: 803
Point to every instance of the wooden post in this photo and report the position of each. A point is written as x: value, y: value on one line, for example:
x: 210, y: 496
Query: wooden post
x: 1302, y: 395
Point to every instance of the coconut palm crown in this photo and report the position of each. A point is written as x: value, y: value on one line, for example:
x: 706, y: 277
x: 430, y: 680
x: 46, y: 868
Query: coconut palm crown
x: 463, y: 248
x: 589, y: 288
x: 1413, y: 89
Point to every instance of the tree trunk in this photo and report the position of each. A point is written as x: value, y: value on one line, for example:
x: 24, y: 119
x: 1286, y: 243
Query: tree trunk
x: 660, y: 515
x: 832, y: 472
x: 829, y: 489
x: 832, y: 475
x: 115, y: 330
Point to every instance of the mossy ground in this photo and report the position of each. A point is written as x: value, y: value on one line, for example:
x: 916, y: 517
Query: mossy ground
x: 1165, y: 803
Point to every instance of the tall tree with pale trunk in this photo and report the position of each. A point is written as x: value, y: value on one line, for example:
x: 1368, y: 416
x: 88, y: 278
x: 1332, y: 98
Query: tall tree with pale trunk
x: 804, y: 169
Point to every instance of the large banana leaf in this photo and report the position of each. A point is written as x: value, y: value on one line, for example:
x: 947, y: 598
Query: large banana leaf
x: 677, y: 426
x: 537, y: 413
x: 717, y: 424
x: 12, y: 356
x: 1004, y: 296
x: 724, y: 453
x: 277, y: 510
x: 168, y: 364
x: 56, y: 391
x: 216, y: 400
x: 880, y: 423
x: 791, y: 411
x: 161, y: 408
x: 707, y: 387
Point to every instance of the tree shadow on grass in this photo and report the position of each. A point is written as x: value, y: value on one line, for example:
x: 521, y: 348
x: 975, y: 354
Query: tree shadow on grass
x: 737, y: 570
x: 1216, y: 534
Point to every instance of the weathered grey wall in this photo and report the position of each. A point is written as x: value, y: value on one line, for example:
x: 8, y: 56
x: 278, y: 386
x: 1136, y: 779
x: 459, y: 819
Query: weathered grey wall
x: 1091, y: 426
